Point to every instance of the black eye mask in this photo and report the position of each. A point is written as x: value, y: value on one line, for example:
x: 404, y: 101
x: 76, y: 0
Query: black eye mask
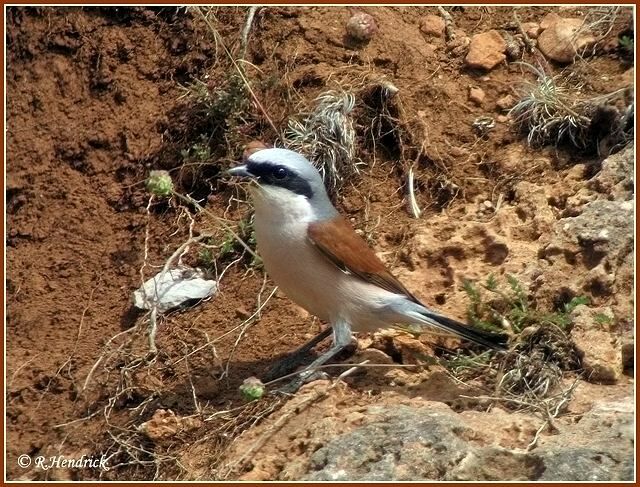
x: 280, y: 176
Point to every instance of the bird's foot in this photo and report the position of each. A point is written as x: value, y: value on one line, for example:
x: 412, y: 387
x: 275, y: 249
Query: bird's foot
x: 293, y: 386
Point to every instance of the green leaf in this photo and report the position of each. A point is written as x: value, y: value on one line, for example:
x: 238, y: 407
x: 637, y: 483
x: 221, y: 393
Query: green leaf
x: 492, y: 283
x: 574, y: 303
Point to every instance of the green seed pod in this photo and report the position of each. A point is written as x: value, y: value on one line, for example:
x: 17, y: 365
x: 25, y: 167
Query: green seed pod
x: 159, y: 183
x: 252, y: 389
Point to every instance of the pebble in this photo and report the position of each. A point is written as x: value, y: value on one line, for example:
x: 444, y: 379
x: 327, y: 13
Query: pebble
x: 432, y: 25
x: 362, y: 26
x: 506, y: 102
x: 548, y: 20
x: 242, y: 313
x: 486, y: 50
x: 532, y: 29
x: 562, y: 40
x: 476, y: 95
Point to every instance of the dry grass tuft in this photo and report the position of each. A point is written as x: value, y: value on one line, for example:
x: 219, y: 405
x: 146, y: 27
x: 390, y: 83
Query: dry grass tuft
x: 552, y: 112
x: 327, y: 137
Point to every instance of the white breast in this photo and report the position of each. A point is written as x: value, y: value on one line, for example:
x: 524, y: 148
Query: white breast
x: 294, y: 265
x: 302, y: 272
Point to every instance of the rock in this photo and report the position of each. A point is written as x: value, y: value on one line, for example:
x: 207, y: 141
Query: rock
x: 533, y: 207
x: 242, y: 313
x: 361, y: 27
x: 432, y: 25
x: 598, y: 345
x: 476, y: 95
x: 414, y: 351
x: 164, y: 425
x: 252, y: 147
x: 373, y: 355
x: 548, y: 20
x: 486, y: 50
x: 564, y: 39
x: 532, y: 29
x: 591, y: 253
x: 597, y: 448
x: 414, y: 439
x: 506, y: 102
x: 616, y: 175
x: 502, y: 118
x: 599, y: 282
x: 405, y: 443
x: 605, y: 228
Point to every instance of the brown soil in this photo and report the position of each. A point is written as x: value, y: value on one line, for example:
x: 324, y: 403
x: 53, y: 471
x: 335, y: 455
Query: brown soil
x: 94, y: 100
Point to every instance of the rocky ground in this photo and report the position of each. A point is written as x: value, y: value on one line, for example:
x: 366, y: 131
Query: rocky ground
x: 97, y: 97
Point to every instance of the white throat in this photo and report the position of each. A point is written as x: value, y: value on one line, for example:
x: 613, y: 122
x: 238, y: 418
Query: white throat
x: 279, y: 206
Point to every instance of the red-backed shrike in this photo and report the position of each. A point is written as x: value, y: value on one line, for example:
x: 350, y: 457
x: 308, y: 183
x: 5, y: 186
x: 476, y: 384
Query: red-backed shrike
x: 317, y: 259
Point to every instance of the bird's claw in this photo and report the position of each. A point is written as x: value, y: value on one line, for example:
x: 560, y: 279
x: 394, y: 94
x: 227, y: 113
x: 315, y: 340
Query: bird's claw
x: 293, y: 386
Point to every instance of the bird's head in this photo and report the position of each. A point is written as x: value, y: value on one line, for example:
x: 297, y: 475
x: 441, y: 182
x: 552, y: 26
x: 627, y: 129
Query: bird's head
x: 282, y: 176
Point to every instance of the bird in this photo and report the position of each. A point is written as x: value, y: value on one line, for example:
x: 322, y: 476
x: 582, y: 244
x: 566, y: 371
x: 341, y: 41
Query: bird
x: 317, y: 259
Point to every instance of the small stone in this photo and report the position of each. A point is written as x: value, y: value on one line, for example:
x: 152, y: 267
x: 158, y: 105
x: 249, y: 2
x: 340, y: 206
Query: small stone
x: 242, y: 313
x: 506, y: 102
x: 487, y: 204
x: 486, y: 50
x: 374, y: 356
x: 476, y: 95
x: 252, y: 147
x: 502, y: 118
x: 600, y: 350
x: 432, y: 25
x: 532, y: 29
x: 173, y: 288
x: 549, y: 20
x: 565, y: 39
x: 362, y: 26
x: 159, y: 183
x: 165, y: 424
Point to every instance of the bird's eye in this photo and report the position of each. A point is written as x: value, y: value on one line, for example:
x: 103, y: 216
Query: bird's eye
x: 280, y: 173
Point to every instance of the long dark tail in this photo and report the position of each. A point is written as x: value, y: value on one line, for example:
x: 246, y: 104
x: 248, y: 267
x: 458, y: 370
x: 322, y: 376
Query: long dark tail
x: 489, y: 340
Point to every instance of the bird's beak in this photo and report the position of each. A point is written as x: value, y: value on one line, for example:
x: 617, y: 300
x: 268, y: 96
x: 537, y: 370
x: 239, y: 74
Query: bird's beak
x: 240, y: 171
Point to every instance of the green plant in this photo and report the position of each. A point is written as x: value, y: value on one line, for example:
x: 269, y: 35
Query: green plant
x: 206, y: 257
x: 197, y: 153
x: 603, y: 319
x: 529, y: 375
x: 218, y: 103
x: 626, y: 43
x: 509, y: 308
x: 159, y: 183
x: 229, y: 247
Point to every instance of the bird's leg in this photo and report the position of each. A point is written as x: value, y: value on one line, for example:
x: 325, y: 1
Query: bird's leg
x: 292, y: 361
x: 341, y: 339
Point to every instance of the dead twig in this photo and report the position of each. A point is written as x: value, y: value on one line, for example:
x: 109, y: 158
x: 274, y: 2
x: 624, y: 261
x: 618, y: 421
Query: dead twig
x: 449, y: 26
x: 244, y: 39
x: 530, y: 45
